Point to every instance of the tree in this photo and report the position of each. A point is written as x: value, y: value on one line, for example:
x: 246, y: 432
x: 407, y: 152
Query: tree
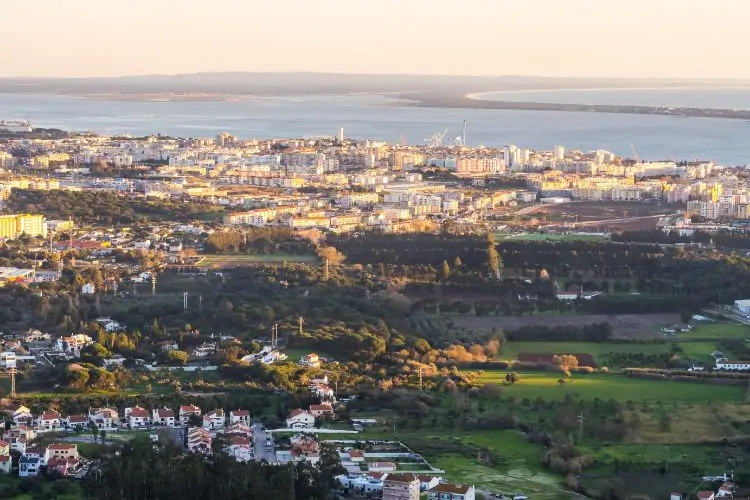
x: 445, y: 271
x: 93, y: 429
x: 457, y: 263
x: 494, y: 262
x: 176, y: 357
x: 331, y: 254
x: 512, y: 377
x: 103, y: 435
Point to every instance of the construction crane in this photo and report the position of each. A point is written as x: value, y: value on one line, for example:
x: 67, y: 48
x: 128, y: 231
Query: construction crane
x: 437, y: 139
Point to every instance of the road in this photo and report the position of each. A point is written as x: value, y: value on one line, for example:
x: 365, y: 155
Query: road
x: 259, y: 436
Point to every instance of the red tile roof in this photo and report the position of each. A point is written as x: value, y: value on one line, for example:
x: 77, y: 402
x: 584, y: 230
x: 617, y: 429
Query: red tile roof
x: 240, y: 413
x: 450, y: 488
x: 5, y: 458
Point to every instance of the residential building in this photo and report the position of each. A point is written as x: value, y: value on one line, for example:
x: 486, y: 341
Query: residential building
x: 449, y: 491
x: 214, y: 419
x: 240, y: 448
x: 62, y: 450
x: 73, y: 421
x: 381, y: 467
x: 427, y: 482
x: 310, y: 360
x: 321, y: 410
x: 164, y: 417
x: 199, y: 441
x: 105, y: 418
x: 13, y: 226
x: 137, y: 417
x: 300, y: 419
x: 239, y: 417
x: 186, y: 411
x: 6, y: 463
x: 88, y: 289
x: 28, y: 466
x: 49, y: 421
x: 401, y: 487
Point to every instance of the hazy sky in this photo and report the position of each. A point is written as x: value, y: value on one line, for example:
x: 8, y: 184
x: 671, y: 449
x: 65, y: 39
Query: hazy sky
x: 673, y: 38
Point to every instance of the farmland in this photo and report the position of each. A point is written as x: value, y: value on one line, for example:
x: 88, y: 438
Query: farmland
x: 224, y: 261
x: 623, y: 326
x: 511, y: 350
x: 546, y: 385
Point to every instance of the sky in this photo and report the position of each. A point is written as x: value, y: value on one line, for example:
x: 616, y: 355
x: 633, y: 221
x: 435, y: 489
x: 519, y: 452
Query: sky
x: 594, y: 38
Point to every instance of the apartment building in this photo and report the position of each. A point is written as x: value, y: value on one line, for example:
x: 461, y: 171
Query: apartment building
x: 401, y: 487
x: 448, y: 491
x: 14, y: 226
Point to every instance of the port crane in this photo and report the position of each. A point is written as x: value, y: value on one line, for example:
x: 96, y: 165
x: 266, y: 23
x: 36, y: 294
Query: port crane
x: 437, y: 139
x: 461, y: 139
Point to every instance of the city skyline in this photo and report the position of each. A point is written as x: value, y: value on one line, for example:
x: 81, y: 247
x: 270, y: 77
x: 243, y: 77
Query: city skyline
x: 670, y: 38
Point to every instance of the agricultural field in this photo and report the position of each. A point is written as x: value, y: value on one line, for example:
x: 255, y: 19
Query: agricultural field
x: 705, y: 331
x: 224, y: 261
x: 515, y: 350
x: 546, y: 385
x: 626, y: 326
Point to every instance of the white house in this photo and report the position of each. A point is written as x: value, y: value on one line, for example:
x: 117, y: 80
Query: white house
x: 164, y: 417
x: 321, y: 410
x: 137, y: 416
x: 105, y: 418
x: 186, y: 411
x: 88, y: 289
x: 449, y: 491
x: 742, y: 306
x: 214, y: 419
x: 427, y: 482
x: 239, y: 417
x: 49, y: 421
x: 310, y: 360
x: 5, y: 464
x: 21, y: 415
x: 28, y: 466
x: 300, y: 419
x: 240, y: 448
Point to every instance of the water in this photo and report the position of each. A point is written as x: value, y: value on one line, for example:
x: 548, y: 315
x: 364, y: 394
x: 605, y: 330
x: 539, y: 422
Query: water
x: 725, y: 142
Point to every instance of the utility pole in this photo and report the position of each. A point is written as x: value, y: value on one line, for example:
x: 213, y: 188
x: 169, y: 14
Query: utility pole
x: 153, y: 284
x: 184, y: 301
x: 326, y: 271
x: 581, y: 419
x: 301, y: 322
x: 420, y: 377
x: 200, y: 302
x: 12, y: 372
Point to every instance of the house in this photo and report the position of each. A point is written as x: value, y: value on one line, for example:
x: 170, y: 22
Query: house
x: 137, y: 417
x: 240, y: 448
x: 724, y: 364
x: 37, y: 452
x: 300, y: 419
x: 241, y: 429
x: 6, y: 464
x: 72, y: 345
x: 356, y: 456
x: 401, y: 487
x: 427, y: 482
x: 73, y: 421
x: 322, y: 391
x: 88, y: 289
x: 214, y: 419
x: 20, y: 415
x: 705, y: 495
x: 366, y: 483
x: 382, y: 467
x: 18, y: 436
x: 726, y: 490
x: 310, y: 360
x: 449, y: 491
x: 168, y: 345
x: 62, y: 450
x: 28, y: 467
x: 59, y: 465
x: 199, y: 441
x: 50, y: 420
x: 323, y: 409
x: 186, y: 411
x: 4, y: 448
x: 239, y: 417
x: 105, y: 418
x: 163, y: 416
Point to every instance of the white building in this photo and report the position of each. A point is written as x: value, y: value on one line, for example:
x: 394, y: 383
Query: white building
x: 88, y: 289
x: 300, y: 419
x: 723, y: 364
x: 743, y: 306
x: 137, y: 417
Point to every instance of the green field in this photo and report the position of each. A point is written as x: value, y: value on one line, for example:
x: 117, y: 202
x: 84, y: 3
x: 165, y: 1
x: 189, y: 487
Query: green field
x: 245, y: 259
x: 717, y: 331
x: 544, y: 385
x: 293, y: 354
x: 511, y: 350
x: 550, y: 237
x: 699, y: 352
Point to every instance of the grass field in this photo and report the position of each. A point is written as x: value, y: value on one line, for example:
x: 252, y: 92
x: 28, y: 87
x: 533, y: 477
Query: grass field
x: 717, y: 331
x: 244, y: 260
x: 511, y: 350
x: 295, y: 354
x: 605, y: 386
x: 551, y: 237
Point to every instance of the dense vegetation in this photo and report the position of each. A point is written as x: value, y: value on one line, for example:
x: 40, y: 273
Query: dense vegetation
x: 107, y: 207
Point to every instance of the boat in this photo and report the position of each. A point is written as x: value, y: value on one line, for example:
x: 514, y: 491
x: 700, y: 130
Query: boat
x: 15, y: 126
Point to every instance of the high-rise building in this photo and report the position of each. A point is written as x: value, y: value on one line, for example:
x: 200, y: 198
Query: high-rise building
x: 559, y: 153
x: 341, y: 134
x: 225, y: 139
x: 14, y: 226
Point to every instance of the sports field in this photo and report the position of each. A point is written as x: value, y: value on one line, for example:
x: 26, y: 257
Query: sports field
x: 222, y: 261
x: 545, y: 385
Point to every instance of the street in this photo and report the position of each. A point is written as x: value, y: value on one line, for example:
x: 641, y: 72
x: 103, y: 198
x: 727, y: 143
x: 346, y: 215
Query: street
x: 261, y: 453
